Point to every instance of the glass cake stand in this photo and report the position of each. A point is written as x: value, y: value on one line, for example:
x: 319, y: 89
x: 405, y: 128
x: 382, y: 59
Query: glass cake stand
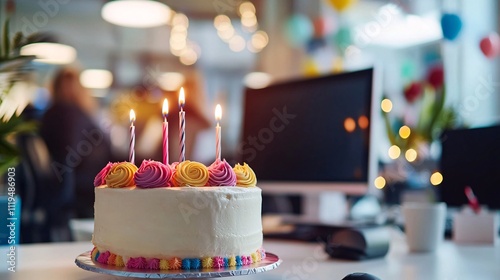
x: 85, y: 262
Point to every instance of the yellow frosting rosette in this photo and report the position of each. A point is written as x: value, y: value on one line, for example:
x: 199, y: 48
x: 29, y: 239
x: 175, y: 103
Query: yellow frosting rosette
x: 121, y: 175
x: 245, y: 177
x: 190, y: 173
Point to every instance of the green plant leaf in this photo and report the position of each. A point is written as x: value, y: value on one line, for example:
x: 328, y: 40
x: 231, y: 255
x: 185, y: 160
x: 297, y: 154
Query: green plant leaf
x: 7, y: 162
x: 7, y: 149
x: 6, y: 39
x: 388, y: 128
x: 437, y: 109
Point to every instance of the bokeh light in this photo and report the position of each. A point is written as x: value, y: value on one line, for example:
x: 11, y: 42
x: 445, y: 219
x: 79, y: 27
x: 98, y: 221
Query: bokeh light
x: 379, y: 182
x: 394, y: 152
x: 386, y: 105
x: 436, y: 178
x: 404, y: 132
x: 237, y: 43
x: 246, y: 7
x: 349, y: 124
x: 411, y: 155
x: 260, y: 40
x: 363, y: 122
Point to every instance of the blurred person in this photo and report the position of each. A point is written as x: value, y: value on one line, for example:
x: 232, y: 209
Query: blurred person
x: 78, y: 147
x: 147, y: 102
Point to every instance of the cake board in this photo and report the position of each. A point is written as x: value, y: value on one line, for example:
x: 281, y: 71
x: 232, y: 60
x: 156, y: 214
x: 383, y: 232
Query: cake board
x: 85, y: 262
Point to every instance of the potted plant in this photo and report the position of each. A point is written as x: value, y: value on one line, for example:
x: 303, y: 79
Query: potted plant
x: 412, y: 131
x: 15, y: 93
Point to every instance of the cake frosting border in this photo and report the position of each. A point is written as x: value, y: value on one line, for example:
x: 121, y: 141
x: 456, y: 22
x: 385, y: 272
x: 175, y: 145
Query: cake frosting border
x: 175, y: 263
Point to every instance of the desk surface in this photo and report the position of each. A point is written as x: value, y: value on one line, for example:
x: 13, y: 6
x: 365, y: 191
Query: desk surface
x: 300, y: 261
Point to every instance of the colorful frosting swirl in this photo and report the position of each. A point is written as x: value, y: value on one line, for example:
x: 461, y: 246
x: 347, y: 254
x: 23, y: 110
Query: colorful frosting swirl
x: 190, y: 173
x: 121, y: 175
x: 176, y: 263
x: 152, y: 174
x: 221, y: 174
x: 100, y: 178
x: 245, y: 177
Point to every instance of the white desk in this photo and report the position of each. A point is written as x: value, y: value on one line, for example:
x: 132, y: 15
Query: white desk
x: 300, y: 261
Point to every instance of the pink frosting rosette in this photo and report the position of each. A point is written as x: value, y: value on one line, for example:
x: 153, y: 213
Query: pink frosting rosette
x: 152, y: 174
x: 100, y: 178
x: 221, y: 174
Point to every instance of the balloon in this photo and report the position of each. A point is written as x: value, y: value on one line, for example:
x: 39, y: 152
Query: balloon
x: 343, y: 38
x: 314, y: 44
x: 341, y: 5
x: 435, y: 77
x: 299, y: 30
x: 413, y: 91
x: 319, y: 27
x: 451, y: 24
x: 408, y: 69
x: 310, y: 68
x: 490, y: 45
x: 338, y: 65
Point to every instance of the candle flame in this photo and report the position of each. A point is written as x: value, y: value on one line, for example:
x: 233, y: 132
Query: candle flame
x: 132, y: 116
x: 218, y: 112
x: 165, y: 108
x: 182, y: 98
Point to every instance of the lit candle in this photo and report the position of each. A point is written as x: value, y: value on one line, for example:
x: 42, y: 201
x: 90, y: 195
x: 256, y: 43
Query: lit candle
x: 165, y: 131
x: 218, y: 116
x: 182, y: 127
x: 131, y: 155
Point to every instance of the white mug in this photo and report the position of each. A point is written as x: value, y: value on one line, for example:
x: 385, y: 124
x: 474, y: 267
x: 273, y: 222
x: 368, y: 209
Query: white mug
x: 424, y: 225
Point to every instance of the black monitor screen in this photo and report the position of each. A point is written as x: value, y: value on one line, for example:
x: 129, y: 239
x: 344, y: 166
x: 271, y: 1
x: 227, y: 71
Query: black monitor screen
x: 314, y: 130
x: 471, y: 157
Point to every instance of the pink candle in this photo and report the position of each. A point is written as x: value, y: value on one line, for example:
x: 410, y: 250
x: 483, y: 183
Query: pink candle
x: 131, y: 155
x: 218, y: 116
x: 182, y: 127
x: 165, y: 131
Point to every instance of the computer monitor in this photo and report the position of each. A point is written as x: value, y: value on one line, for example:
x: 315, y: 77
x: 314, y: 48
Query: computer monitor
x: 470, y: 157
x: 312, y: 135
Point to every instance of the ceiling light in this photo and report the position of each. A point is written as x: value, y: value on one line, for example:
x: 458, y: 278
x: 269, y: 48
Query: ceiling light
x: 96, y: 78
x: 257, y: 80
x: 51, y: 53
x: 136, y: 13
x: 171, y: 81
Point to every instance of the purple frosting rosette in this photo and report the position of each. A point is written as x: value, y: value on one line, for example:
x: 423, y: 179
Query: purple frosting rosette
x: 221, y: 174
x: 100, y: 178
x: 152, y: 174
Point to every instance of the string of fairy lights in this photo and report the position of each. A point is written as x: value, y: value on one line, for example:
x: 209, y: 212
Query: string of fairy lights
x: 249, y: 23
x: 394, y: 151
x: 180, y: 46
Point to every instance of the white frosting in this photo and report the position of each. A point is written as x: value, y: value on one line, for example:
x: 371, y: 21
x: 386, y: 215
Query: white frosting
x: 188, y: 222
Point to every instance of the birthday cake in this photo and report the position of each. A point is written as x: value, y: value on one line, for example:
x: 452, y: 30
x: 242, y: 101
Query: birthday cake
x: 182, y: 216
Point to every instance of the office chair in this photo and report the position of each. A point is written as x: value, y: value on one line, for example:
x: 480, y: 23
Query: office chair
x: 47, y: 201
